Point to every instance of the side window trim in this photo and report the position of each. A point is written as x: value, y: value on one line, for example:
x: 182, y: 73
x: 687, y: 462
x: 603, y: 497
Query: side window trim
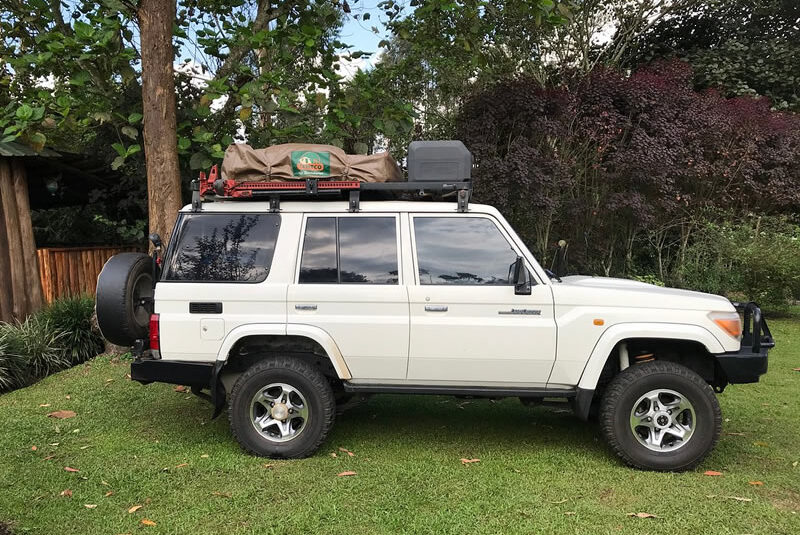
x: 415, y: 256
x: 336, y: 216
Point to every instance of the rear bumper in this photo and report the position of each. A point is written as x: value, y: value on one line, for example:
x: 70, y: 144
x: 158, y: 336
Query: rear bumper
x: 750, y: 362
x: 196, y: 374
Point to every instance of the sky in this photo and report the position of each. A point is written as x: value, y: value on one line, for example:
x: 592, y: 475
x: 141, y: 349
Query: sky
x: 359, y: 35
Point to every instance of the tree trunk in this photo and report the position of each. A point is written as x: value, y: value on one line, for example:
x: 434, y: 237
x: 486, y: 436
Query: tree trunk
x: 20, y: 282
x: 19, y: 303
x: 156, y: 18
x: 30, y: 259
x: 6, y: 291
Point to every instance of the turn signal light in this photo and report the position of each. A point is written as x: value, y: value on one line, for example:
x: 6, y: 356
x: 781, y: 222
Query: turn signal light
x: 155, y: 334
x: 728, y: 322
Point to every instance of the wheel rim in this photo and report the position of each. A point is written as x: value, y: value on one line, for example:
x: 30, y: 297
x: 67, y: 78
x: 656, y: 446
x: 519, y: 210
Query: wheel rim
x: 663, y: 420
x: 142, y: 298
x: 279, y: 412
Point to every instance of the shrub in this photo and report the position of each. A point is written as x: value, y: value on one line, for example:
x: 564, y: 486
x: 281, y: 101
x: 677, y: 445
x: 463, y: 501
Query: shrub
x: 72, y: 316
x: 12, y: 366
x: 40, y: 345
x: 757, y: 259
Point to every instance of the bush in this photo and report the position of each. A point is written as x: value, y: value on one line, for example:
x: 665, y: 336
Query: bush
x: 54, y: 338
x: 753, y: 260
x: 12, y: 366
x: 72, y: 316
x: 40, y: 345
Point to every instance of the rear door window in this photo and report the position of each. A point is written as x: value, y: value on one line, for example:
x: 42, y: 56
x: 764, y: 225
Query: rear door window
x: 223, y: 248
x: 349, y: 250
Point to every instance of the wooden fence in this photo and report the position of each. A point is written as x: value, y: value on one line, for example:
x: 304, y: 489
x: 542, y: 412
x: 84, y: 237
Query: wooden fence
x: 73, y: 270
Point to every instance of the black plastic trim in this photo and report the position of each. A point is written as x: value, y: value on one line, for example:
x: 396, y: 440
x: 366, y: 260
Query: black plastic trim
x: 583, y: 402
x: 743, y: 366
x: 205, y: 308
x: 477, y: 391
x: 174, y: 372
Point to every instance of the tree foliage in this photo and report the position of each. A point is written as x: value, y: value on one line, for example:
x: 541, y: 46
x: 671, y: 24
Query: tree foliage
x: 626, y: 168
x: 744, y: 47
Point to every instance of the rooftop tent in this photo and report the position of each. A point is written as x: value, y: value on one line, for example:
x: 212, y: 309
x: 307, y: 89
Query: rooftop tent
x: 300, y: 161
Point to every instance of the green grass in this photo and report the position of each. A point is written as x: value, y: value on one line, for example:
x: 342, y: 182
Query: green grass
x: 541, y: 470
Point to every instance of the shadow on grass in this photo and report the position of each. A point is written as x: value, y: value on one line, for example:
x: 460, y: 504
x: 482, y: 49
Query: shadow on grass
x: 385, y: 419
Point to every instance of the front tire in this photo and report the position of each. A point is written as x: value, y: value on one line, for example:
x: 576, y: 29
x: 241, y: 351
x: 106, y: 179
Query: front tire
x: 281, y: 408
x: 660, y: 416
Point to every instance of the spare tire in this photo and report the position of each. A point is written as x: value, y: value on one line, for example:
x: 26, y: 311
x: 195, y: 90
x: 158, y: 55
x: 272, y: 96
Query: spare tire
x: 125, y: 298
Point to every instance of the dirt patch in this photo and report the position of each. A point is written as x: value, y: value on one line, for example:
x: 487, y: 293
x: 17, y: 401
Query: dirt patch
x: 607, y: 495
x: 788, y: 500
x: 5, y: 529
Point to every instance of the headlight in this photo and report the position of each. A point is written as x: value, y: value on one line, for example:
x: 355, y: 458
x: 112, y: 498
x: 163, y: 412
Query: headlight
x: 728, y: 322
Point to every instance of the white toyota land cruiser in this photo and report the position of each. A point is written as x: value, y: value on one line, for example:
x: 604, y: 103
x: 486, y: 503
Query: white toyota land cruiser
x: 287, y: 309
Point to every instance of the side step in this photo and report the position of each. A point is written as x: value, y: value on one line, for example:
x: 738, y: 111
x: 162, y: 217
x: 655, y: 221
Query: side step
x: 476, y: 391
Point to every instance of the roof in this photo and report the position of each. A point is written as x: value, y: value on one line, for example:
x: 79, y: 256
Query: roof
x: 342, y: 207
x: 14, y: 149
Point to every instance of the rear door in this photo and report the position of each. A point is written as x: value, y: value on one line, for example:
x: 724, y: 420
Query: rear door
x: 217, y: 276
x: 348, y: 283
x: 467, y: 324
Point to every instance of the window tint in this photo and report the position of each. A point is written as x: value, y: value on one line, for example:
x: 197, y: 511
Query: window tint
x: 318, y: 263
x: 365, y: 251
x: 368, y: 250
x: 223, y: 248
x: 462, y: 250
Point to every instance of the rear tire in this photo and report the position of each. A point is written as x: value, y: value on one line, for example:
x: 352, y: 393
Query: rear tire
x: 124, y: 298
x: 281, y: 408
x: 647, y: 408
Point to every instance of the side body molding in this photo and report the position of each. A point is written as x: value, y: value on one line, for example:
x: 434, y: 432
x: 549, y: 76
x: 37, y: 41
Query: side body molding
x: 281, y: 329
x: 622, y: 331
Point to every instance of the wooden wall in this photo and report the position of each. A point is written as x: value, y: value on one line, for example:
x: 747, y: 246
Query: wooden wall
x: 73, y: 270
x: 20, y: 286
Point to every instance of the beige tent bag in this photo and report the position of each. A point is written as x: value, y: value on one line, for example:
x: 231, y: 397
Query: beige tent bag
x: 300, y: 161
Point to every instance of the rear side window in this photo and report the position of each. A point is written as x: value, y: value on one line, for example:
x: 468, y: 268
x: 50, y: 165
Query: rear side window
x: 223, y: 248
x: 347, y: 250
x: 462, y: 250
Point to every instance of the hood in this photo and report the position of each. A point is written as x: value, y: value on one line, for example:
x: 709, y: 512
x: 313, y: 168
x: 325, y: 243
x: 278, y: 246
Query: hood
x: 634, y: 293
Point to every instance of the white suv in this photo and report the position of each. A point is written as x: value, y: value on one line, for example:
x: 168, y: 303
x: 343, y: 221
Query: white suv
x: 288, y: 309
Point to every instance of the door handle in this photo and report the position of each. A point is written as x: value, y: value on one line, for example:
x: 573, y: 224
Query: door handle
x: 436, y: 308
x: 305, y: 307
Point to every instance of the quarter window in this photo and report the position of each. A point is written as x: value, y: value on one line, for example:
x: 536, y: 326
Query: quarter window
x: 223, y: 248
x: 462, y: 250
x: 361, y: 250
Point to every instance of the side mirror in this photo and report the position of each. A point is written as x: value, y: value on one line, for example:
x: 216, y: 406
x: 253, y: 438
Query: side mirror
x: 522, y: 279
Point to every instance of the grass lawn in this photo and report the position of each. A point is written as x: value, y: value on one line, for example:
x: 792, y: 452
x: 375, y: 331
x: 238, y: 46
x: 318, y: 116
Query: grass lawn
x: 540, y: 470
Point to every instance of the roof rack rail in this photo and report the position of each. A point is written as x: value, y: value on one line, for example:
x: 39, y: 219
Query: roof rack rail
x: 217, y: 188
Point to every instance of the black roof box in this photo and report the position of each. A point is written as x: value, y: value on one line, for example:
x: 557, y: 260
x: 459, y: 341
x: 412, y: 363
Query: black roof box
x: 438, y: 161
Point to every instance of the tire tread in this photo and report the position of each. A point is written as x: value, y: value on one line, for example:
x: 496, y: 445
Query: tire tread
x: 310, y: 373
x: 624, y: 380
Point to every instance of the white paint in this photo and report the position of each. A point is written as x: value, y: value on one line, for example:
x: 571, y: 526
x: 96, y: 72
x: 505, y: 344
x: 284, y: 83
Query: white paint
x: 382, y: 334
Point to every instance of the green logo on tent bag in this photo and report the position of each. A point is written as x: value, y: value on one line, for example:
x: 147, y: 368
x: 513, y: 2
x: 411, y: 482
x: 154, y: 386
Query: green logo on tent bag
x: 309, y: 163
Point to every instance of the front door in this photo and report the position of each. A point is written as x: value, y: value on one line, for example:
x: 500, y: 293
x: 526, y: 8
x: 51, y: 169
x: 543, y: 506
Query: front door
x: 349, y: 285
x: 467, y: 325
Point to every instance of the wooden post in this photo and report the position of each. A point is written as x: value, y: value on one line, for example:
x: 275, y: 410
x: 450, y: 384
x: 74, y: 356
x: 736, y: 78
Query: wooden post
x: 19, y: 300
x: 30, y: 260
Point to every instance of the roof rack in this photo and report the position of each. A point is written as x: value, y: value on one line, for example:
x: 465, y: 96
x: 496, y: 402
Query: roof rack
x: 214, y: 187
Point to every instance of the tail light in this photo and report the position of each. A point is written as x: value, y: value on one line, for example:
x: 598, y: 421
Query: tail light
x: 155, y: 334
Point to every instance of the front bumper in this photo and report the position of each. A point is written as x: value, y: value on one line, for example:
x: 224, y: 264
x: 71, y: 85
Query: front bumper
x: 750, y: 362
